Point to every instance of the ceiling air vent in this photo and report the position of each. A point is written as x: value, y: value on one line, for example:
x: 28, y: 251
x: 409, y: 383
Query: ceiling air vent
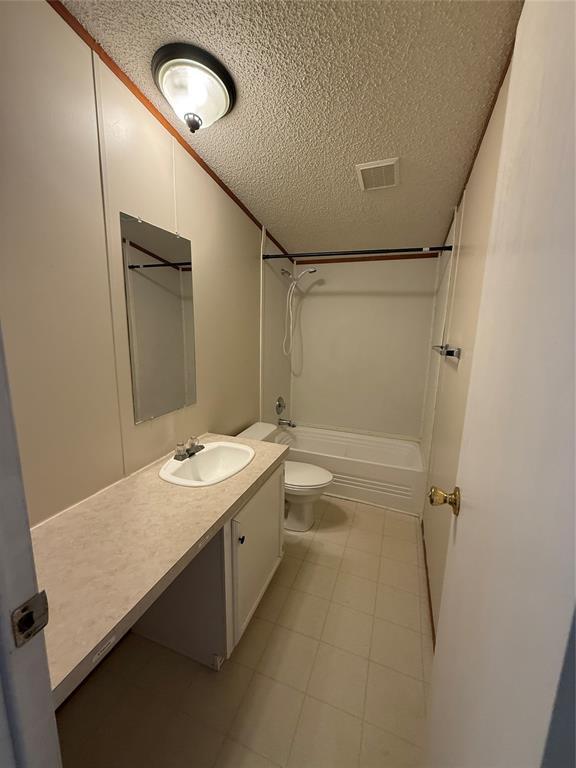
x: 379, y: 174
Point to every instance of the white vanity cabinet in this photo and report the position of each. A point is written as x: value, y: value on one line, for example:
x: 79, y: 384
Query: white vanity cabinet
x: 206, y: 609
x: 256, y: 544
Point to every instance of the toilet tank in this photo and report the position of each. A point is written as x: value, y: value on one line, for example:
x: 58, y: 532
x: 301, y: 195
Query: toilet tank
x: 258, y: 431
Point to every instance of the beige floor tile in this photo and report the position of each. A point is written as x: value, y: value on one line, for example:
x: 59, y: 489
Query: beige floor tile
x: 214, y: 697
x: 166, y: 674
x: 354, y: 592
x: 348, y: 629
x: 185, y: 742
x: 422, y: 581
x: 400, y: 575
x: 251, y: 647
x: 425, y: 620
x: 427, y: 695
x: 332, y: 533
x: 420, y: 550
x: 316, y: 580
x: 384, y: 750
x: 369, y: 518
x: 427, y: 657
x: 397, y: 647
x: 365, y: 541
x: 400, y: 526
x: 272, y: 602
x: 287, y: 571
x: 82, y: 718
x: 324, y: 553
x: 396, y: 703
x: 304, y: 613
x: 90, y: 703
x: 339, y: 678
x: 400, y: 549
x: 128, y: 657
x: 296, y: 544
x: 325, y: 738
x: 289, y: 657
x: 235, y: 755
x: 398, y: 607
x: 360, y: 564
x: 336, y: 512
x: 267, y: 719
x: 135, y: 732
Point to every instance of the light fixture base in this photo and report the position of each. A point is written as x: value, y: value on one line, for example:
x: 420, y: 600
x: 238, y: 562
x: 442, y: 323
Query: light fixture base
x: 210, y: 97
x: 194, y: 122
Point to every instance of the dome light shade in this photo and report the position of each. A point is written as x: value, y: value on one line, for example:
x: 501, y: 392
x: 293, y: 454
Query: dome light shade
x: 197, y: 86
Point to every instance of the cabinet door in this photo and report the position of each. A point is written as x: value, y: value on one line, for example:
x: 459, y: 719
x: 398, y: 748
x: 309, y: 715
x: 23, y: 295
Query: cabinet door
x: 256, y: 547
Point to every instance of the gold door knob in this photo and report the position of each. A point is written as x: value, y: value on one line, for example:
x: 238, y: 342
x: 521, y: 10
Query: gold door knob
x: 436, y: 497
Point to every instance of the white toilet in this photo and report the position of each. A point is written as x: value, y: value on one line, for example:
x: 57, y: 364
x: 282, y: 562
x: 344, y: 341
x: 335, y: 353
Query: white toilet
x: 303, y: 483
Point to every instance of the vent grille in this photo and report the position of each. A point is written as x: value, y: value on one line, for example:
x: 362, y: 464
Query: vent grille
x: 379, y: 174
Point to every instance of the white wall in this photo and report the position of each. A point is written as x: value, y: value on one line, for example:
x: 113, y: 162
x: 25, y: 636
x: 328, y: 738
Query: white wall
x: 362, y: 346
x: 54, y: 299
x: 68, y: 363
x: 149, y: 175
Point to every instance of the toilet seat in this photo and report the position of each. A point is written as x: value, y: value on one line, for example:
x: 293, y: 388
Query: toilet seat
x: 301, y: 477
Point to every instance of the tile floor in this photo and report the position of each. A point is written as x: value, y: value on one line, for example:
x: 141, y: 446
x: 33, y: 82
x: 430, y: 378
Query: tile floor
x: 332, y: 672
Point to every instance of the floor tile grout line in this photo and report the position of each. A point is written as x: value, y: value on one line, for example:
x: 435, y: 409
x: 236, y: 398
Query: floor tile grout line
x: 312, y: 668
x: 319, y: 640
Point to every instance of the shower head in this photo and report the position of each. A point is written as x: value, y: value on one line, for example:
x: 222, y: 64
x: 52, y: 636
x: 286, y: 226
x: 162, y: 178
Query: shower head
x: 310, y: 271
x: 285, y: 272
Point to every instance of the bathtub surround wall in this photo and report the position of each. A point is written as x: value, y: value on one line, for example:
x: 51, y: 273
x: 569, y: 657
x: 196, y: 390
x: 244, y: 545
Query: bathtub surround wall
x: 68, y: 364
x: 437, y: 334
x: 275, y: 366
x: 362, y: 346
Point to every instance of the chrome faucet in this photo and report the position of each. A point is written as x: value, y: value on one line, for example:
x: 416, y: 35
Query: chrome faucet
x: 186, y: 451
x: 286, y: 423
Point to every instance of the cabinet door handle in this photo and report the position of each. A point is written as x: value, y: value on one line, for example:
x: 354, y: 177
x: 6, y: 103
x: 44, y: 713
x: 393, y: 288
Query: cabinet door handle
x: 242, y: 539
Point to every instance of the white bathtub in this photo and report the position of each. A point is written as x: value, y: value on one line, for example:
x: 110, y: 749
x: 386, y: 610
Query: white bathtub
x: 376, y: 470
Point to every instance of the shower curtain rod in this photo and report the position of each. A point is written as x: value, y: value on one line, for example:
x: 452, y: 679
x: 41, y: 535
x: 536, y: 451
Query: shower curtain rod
x: 372, y: 254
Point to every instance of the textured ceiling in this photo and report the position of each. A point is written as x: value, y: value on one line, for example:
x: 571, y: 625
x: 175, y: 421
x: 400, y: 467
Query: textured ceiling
x: 323, y: 86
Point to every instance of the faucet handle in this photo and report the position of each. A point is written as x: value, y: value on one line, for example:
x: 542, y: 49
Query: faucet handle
x: 181, y: 452
x: 191, y: 442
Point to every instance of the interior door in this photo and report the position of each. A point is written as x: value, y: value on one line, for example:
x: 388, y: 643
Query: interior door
x: 509, y: 585
x: 28, y: 735
x: 471, y: 232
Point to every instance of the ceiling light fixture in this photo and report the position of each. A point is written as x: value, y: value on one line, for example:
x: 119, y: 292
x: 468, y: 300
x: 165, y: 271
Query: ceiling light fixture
x: 195, y: 84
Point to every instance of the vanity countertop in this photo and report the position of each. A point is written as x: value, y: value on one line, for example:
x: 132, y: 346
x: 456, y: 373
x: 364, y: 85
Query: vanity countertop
x: 108, y: 557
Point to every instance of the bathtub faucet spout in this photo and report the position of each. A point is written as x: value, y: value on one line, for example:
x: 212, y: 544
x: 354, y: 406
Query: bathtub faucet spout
x: 286, y: 423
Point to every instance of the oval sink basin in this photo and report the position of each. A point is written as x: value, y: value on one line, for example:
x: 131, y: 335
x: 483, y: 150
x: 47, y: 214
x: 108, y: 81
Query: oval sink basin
x: 216, y: 462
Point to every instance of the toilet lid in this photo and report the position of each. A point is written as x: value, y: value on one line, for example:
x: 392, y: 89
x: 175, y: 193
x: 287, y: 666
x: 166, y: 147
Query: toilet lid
x: 305, y: 475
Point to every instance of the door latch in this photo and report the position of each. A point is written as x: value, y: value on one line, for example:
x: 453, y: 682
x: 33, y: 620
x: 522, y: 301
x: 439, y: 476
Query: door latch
x: 445, y: 350
x: 29, y: 618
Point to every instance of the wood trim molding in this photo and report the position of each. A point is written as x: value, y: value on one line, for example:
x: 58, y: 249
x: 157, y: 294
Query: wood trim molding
x: 73, y: 22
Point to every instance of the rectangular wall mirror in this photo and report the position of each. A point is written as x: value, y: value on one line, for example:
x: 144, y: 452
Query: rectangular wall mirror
x: 159, y: 303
